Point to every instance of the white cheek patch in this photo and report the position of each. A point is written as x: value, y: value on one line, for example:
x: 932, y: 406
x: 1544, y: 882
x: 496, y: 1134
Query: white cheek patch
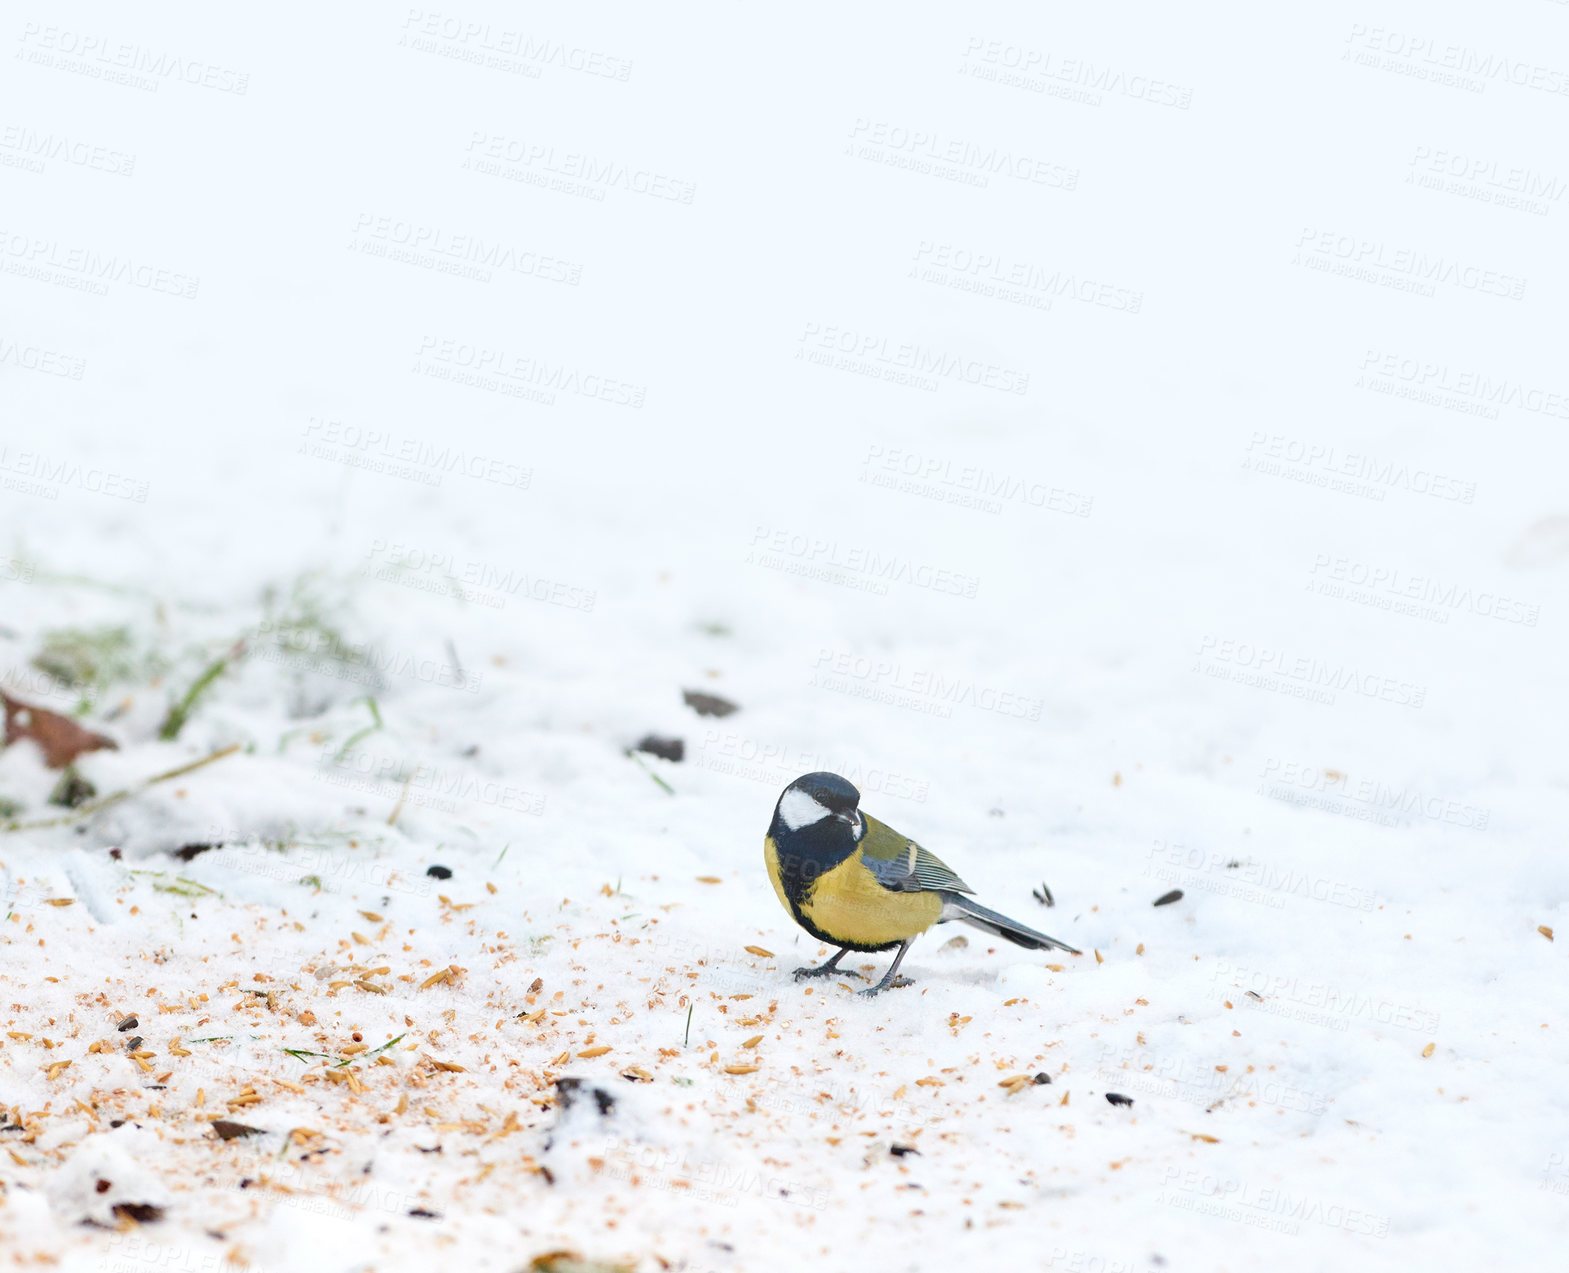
x: 798, y: 809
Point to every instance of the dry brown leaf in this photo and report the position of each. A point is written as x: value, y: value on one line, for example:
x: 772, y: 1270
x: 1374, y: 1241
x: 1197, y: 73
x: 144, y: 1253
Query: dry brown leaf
x: 59, y: 737
x: 227, y: 1130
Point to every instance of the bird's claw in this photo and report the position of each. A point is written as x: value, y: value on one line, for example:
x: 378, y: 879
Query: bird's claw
x: 801, y: 974
x: 895, y: 984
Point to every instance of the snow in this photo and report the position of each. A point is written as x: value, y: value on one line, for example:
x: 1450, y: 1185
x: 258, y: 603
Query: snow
x: 475, y: 383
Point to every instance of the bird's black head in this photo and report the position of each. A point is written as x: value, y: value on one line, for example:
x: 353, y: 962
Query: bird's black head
x: 812, y: 798
x: 816, y: 826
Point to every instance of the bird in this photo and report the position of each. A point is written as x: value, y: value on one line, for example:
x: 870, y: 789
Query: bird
x: 856, y: 883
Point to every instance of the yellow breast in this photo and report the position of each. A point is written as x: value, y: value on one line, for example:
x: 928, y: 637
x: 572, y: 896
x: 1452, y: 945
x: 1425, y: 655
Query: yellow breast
x: 848, y: 905
x: 771, y: 856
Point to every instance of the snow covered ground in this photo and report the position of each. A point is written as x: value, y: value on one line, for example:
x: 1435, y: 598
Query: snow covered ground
x: 1128, y: 445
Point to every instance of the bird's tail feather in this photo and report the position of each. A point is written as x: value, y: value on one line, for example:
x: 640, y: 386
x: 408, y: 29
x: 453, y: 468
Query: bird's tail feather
x: 957, y: 906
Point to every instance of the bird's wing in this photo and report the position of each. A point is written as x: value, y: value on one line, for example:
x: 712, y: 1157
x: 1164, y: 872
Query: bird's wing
x: 903, y: 866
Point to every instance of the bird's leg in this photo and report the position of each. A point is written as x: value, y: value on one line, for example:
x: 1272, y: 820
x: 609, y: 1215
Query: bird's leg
x: 891, y: 978
x: 828, y: 969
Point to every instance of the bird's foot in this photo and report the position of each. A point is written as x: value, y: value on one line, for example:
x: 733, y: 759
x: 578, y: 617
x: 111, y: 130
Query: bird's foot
x: 895, y: 984
x: 825, y: 970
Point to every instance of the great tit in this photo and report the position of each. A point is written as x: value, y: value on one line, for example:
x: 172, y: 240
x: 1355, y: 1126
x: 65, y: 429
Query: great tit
x: 856, y: 883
